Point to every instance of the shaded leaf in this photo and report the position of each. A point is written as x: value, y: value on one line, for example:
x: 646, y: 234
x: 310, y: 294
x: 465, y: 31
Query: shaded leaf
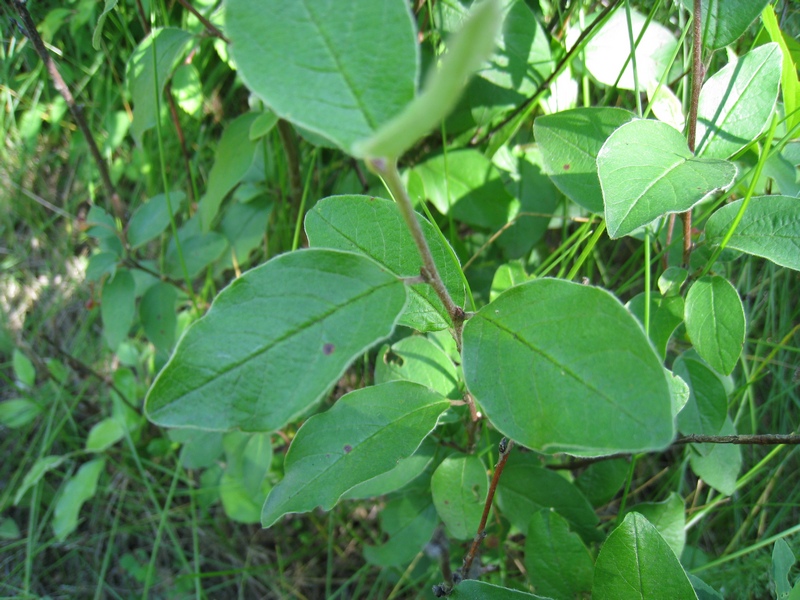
x: 77, y: 490
x: 365, y: 434
x: 718, y: 464
x: 707, y: 407
x: 459, y: 486
x: 409, y: 521
x: 417, y: 359
x: 770, y: 228
x: 117, y: 307
x: 668, y: 518
x: 152, y: 218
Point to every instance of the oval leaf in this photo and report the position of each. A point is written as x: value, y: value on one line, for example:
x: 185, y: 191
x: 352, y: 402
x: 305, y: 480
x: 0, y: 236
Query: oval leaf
x: 554, y: 382
x: 669, y: 518
x: 341, y: 73
x: 707, y: 407
x: 459, y: 486
x: 374, y: 227
x: 274, y: 341
x: 570, y: 141
x: 770, y: 228
x: 152, y: 218
x: 365, y: 434
x: 646, y: 170
x: 635, y: 563
x: 417, y: 359
x: 80, y: 488
x: 725, y: 20
x: 715, y: 322
x: 117, y: 307
x: 718, y: 464
x: 737, y: 102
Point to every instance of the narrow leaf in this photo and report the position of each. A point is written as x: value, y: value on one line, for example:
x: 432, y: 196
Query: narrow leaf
x: 35, y: 474
x: 117, y: 307
x: 555, y: 383
x: 363, y: 435
x: 646, y: 171
x: 152, y: 218
x: 472, y: 589
x: 274, y: 341
x: 724, y: 21
x: 80, y: 488
x: 770, y: 228
x: 715, y: 322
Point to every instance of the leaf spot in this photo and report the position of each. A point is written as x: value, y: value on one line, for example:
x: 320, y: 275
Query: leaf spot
x: 567, y: 167
x: 328, y: 349
x: 347, y: 448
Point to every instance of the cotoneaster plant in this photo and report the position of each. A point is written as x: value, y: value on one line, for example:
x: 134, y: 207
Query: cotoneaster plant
x: 546, y: 367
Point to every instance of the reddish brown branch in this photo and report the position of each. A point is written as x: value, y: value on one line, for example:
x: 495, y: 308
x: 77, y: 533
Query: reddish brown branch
x: 76, y: 110
x: 212, y: 29
x: 766, y: 439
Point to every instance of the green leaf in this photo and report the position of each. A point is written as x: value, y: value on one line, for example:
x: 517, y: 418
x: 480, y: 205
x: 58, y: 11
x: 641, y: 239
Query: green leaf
x: 152, y: 218
x: 374, y: 227
x: 790, y: 86
x: 668, y: 518
x: 737, y: 102
x: 406, y: 471
x: 507, y: 276
x: 80, y: 488
x: 547, y: 380
x: 607, y: 51
x: 17, y: 412
x: 703, y: 590
x: 98, y: 30
x: 199, y: 251
x: 339, y: 73
x: 104, y: 434
x: 537, y: 197
x: 35, y: 474
x: 409, y: 521
x: 782, y: 562
x: 187, y: 88
x: 665, y: 316
x: 471, y: 589
x: 526, y: 488
x: 570, y: 141
x: 363, y: 435
x: 646, y: 171
x: 770, y: 228
x: 146, y: 78
x: 715, y: 322
x: 718, y: 464
x: 117, y: 307
x: 465, y: 184
x: 635, y: 563
x: 264, y: 123
x: 274, y: 341
x: 671, y: 281
x: 459, y: 486
x: 724, y: 21
x: 9, y: 530
x: 157, y: 313
x: 707, y: 407
x: 244, y: 485
x: 470, y: 47
x: 200, y: 449
x: 601, y: 481
x: 102, y: 263
x: 24, y: 371
x: 245, y: 224
x: 558, y: 563
x: 232, y: 159
x: 417, y: 359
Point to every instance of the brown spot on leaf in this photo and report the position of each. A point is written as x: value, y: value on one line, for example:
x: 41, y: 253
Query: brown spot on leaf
x: 567, y: 167
x: 347, y: 448
x: 328, y: 349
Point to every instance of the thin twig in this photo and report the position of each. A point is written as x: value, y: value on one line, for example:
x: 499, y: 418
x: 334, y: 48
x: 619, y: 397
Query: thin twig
x: 187, y: 163
x: 293, y: 161
x: 77, y: 111
x: 698, y: 74
x: 212, y: 29
x: 765, y: 439
x: 545, y: 85
x: 387, y: 170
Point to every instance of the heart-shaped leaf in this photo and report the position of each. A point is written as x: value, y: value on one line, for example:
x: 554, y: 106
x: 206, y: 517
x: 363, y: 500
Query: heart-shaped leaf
x: 646, y: 170
x: 274, y: 341
x: 555, y: 382
x: 338, y: 71
x: 363, y: 435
